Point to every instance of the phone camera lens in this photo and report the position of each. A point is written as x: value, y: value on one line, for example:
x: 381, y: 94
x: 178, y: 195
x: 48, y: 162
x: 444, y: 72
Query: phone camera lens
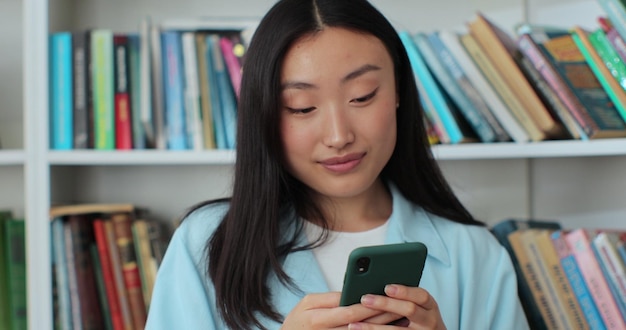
x: 363, y: 265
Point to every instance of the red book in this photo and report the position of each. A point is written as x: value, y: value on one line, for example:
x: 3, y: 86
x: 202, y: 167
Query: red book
x: 107, y: 273
x: 123, y: 119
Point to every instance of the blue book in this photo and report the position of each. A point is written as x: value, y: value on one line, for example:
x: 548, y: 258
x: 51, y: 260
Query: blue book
x: 421, y: 72
x: 580, y: 289
x: 173, y: 87
x: 61, y: 92
x: 134, y: 43
x: 227, y: 98
x: 450, y: 84
x: 61, y: 275
x: 219, y: 129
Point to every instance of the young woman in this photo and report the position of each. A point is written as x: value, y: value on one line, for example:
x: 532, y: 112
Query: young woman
x: 332, y: 154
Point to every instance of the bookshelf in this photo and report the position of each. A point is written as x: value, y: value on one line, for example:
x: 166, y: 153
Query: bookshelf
x: 578, y: 183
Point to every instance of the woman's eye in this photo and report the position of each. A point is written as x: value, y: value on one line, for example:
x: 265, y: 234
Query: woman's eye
x: 300, y: 111
x: 366, y: 97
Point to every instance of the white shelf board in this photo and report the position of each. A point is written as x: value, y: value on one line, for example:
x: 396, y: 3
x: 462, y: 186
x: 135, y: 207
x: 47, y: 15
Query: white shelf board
x: 544, y: 149
x: 141, y: 157
x: 12, y: 157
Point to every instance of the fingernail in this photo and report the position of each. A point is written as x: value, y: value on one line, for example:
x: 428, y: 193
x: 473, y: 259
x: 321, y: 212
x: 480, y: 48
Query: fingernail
x: 367, y: 299
x: 391, y: 289
x: 354, y: 326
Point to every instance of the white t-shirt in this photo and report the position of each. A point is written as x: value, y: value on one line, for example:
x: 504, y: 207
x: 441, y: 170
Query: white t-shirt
x: 332, y: 256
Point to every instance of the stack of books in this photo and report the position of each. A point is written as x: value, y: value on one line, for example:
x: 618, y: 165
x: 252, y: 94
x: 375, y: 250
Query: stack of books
x: 567, y: 278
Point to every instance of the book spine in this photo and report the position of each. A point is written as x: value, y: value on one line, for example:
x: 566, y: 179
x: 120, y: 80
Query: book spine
x: 195, y: 136
x: 134, y: 69
x: 145, y: 260
x: 616, y: 11
x: 432, y: 58
x: 617, y: 42
x: 609, y: 56
x: 147, y: 90
x: 61, y: 275
x: 157, y: 139
x: 579, y: 243
x: 613, y: 266
x: 72, y: 279
x: 107, y: 275
x: 122, y: 225
x: 103, y: 93
x: 611, y: 87
x: 80, y: 61
x: 61, y: 98
x: 118, y: 275
x: 530, y: 274
x: 227, y: 94
x: 214, y: 95
x: 102, y: 294
x: 15, y: 247
x: 205, y: 101
x: 575, y: 278
x: 232, y: 63
x: 123, y: 111
x: 424, y: 77
x: 173, y: 86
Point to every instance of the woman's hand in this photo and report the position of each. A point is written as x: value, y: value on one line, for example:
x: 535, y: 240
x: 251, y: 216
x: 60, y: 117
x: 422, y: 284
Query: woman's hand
x: 322, y: 311
x: 416, y: 305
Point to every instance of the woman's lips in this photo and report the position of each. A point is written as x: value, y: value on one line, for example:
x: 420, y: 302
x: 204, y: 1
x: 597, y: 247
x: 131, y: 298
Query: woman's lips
x: 343, y: 164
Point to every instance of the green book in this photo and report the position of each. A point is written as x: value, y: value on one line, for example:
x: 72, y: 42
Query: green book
x: 5, y: 321
x: 15, y: 254
x: 103, y: 93
x: 609, y: 56
x: 621, y: 107
x: 102, y: 294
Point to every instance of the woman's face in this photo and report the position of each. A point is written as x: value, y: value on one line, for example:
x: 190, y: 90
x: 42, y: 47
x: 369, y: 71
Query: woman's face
x: 338, y: 121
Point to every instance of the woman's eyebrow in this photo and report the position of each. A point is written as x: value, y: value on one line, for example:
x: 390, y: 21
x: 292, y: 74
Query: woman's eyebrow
x: 359, y: 72
x: 350, y: 76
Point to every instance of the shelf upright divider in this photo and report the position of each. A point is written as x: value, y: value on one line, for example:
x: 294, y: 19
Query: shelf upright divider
x: 37, y: 170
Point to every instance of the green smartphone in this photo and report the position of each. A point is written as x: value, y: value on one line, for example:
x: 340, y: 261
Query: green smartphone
x: 371, y: 268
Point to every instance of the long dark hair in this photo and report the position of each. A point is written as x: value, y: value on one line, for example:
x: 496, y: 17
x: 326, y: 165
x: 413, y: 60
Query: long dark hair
x: 248, y: 245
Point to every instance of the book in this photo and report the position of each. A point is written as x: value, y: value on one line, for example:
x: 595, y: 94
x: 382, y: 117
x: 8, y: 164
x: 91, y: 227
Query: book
x: 424, y: 78
x: 61, y: 279
x: 146, y: 261
x: 89, y: 208
x: 123, y: 110
x: 534, y: 279
x: 605, y: 246
x: 154, y: 117
x: 15, y: 258
x: 611, y: 58
x: 614, y: 90
x: 575, y: 278
x: 135, y: 84
x: 193, y: 113
x: 106, y: 267
x: 102, y: 294
x: 558, y: 59
x: 496, y: 80
x: 103, y: 93
x: 502, y: 114
x: 173, y: 87
x: 205, y: 93
x: 61, y: 92
x: 82, y: 112
x: 501, y: 230
x: 122, y: 228
x: 502, y: 50
x: 118, y: 274
x: 233, y: 49
x: 213, y: 59
x: 451, y: 87
x: 579, y: 242
x: 569, y: 312
x: 5, y: 321
x: 616, y: 40
x: 147, y: 89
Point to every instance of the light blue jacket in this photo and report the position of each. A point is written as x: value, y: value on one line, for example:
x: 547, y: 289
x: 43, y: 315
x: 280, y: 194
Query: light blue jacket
x: 467, y: 272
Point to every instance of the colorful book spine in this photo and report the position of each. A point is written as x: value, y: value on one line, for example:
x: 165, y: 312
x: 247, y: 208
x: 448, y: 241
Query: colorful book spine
x: 605, y: 248
x: 103, y: 92
x: 579, y: 242
x: 102, y: 295
x: 173, y: 86
x: 609, y: 55
x: 123, y: 111
x: 616, y: 11
x: 227, y: 94
x: 61, y: 92
x: 423, y: 75
x: 205, y: 98
x: 111, y: 291
x: 118, y: 274
x: 134, y: 69
x: 195, y: 136
x: 232, y: 62
x: 61, y: 274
